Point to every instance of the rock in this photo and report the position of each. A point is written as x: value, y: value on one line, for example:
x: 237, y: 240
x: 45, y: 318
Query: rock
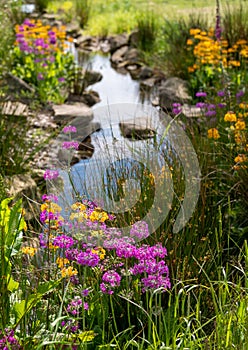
x: 85, y: 149
x: 91, y: 77
x: 118, y: 41
x: 73, y: 29
x: 173, y: 90
x: 21, y: 184
x: 104, y: 45
x: 133, y: 39
x: 65, y: 113
x: 49, y: 17
x: 125, y: 56
x: 137, y: 129
x: 192, y: 111
x: 132, y: 55
x: 118, y: 56
x: 90, y: 98
x: 148, y: 83
x: 145, y: 73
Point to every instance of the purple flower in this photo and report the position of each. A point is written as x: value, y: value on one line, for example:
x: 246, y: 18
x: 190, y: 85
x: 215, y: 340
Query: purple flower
x: 155, y: 282
x: 51, y: 174
x: 140, y: 230
x: 52, y: 40
x: 210, y: 113
x: 49, y: 197
x: 221, y: 93
x: 70, y: 145
x: 201, y: 94
x: 201, y: 104
x: 112, y: 278
x: 88, y: 259
x: 85, y: 292
x: 176, y: 110
x: 221, y: 105
x: 240, y: 93
x: 126, y: 251
x: 61, y: 79
x: 43, y: 243
x: 211, y: 106
x: 86, y: 306
x: 63, y: 241
x: 40, y: 76
x: 218, y: 29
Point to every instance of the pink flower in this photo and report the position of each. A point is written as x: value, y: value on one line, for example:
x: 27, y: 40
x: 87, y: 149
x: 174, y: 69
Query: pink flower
x: 51, y: 174
x: 70, y: 144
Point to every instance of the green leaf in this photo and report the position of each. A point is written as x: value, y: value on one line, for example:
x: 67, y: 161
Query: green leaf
x: 21, y: 308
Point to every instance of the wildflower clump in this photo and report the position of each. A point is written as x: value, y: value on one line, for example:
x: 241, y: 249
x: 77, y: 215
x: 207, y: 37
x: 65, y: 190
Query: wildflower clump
x: 41, y: 58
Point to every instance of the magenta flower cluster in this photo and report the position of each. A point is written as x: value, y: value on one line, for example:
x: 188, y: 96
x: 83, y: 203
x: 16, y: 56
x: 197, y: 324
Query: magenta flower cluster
x: 8, y: 340
x: 51, y: 174
x: 70, y: 145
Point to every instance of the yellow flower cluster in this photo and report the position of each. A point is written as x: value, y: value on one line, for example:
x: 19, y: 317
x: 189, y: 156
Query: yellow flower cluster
x: 213, y: 134
x: 35, y: 29
x: 230, y: 117
x: 209, y: 51
x: 29, y: 250
x: 81, y: 213
x: 100, y: 252
x: 68, y: 272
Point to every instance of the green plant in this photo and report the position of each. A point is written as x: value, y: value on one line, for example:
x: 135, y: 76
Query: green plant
x: 147, y: 30
x: 40, y: 59
x: 82, y: 9
x: 41, y: 5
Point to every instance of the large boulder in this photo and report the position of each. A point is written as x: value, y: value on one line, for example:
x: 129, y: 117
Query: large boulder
x: 139, y: 128
x: 126, y: 56
x: 117, y: 41
x: 173, y: 90
x: 65, y: 113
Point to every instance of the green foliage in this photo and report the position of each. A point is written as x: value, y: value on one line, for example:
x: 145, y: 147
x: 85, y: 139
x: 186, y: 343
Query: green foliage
x: 40, y: 60
x: 9, y: 15
x: 147, y: 30
x: 234, y: 22
x: 82, y: 8
x: 12, y: 225
x: 41, y: 5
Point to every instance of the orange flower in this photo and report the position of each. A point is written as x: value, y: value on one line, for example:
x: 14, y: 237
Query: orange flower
x: 240, y: 125
x: 213, y: 134
x: 230, y: 117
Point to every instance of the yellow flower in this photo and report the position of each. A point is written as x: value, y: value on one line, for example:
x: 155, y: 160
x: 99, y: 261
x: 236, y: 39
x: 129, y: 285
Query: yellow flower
x: 240, y: 125
x: 240, y: 158
x: 213, y: 134
x: 230, y: 117
x: 100, y: 252
x: 98, y: 216
x: 194, y: 31
x: 189, y: 42
x: 78, y: 206
x: 61, y: 262
x: 80, y: 216
x: 29, y: 250
x: 68, y: 271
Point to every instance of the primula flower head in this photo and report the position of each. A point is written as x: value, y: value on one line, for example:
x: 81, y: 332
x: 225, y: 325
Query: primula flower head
x: 213, y: 134
x: 201, y: 94
x: 230, y: 117
x: 51, y: 174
